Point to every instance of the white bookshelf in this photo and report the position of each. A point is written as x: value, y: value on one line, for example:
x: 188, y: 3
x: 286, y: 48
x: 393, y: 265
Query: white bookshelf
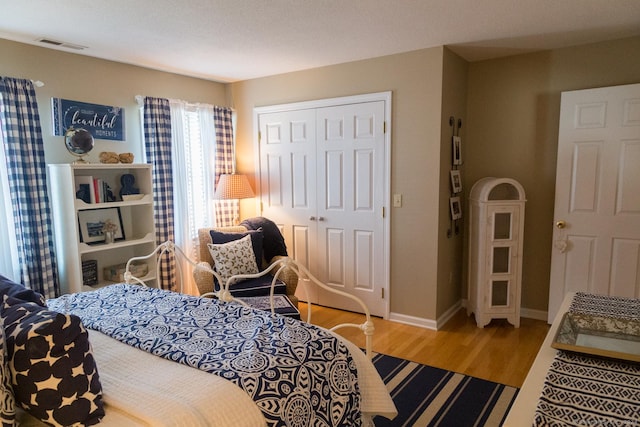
x: 137, y: 221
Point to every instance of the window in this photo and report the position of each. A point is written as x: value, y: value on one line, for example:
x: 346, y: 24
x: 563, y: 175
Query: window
x: 193, y: 154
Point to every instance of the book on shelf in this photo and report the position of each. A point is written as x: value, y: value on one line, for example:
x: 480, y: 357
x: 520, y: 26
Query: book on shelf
x: 93, y: 190
x: 90, y: 272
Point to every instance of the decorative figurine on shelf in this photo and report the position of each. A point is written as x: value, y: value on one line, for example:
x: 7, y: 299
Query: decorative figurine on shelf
x: 128, y: 180
x: 109, y: 229
x: 125, y: 157
x: 109, y: 157
x: 79, y: 142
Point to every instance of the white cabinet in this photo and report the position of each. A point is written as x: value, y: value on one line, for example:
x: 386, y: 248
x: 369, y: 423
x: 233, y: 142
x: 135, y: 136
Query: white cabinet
x: 496, y: 231
x: 75, y: 245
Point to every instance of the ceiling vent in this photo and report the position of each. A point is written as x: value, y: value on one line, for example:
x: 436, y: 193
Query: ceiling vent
x: 62, y: 44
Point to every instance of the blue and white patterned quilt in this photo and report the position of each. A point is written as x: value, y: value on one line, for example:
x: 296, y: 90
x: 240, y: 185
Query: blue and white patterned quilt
x: 297, y: 374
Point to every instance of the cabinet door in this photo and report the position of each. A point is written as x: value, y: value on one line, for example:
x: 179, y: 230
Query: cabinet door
x: 502, y: 256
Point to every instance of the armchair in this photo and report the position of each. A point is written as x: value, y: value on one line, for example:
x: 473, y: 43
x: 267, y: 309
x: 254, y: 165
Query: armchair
x: 205, y: 283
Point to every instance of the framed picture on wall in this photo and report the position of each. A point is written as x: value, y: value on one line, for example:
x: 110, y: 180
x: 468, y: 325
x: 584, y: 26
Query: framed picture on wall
x: 456, y: 208
x: 457, y: 150
x: 456, y: 181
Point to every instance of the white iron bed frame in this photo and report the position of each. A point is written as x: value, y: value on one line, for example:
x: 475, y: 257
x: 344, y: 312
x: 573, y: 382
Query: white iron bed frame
x: 304, y: 276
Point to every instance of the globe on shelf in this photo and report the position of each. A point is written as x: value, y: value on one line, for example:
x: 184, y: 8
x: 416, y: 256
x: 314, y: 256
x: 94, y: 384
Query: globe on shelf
x: 79, y: 142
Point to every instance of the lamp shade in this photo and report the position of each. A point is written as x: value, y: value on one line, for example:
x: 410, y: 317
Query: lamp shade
x: 233, y: 187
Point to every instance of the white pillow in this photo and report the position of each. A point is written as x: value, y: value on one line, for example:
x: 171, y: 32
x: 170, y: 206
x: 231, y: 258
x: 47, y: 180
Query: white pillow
x: 233, y: 258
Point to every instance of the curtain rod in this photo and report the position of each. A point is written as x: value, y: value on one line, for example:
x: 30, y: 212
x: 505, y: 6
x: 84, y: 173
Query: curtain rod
x: 140, y: 100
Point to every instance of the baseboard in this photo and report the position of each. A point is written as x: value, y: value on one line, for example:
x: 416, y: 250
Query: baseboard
x: 449, y: 314
x: 529, y: 313
x: 426, y: 323
x: 414, y: 321
x: 442, y: 320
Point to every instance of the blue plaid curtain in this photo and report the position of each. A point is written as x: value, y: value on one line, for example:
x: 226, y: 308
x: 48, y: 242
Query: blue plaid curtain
x: 226, y: 210
x: 157, y: 137
x: 26, y: 168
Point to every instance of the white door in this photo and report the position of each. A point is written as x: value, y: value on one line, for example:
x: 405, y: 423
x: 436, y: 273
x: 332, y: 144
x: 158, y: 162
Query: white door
x: 322, y: 180
x: 288, y: 178
x: 350, y: 166
x: 596, y: 240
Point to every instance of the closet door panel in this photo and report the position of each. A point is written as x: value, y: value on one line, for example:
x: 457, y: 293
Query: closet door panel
x: 334, y: 173
x: 288, y: 178
x: 350, y: 147
x: 335, y: 266
x: 363, y: 180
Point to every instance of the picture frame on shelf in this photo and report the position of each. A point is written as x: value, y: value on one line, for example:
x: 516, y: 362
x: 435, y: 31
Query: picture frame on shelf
x: 456, y: 207
x: 456, y: 181
x: 456, y: 146
x: 92, y: 221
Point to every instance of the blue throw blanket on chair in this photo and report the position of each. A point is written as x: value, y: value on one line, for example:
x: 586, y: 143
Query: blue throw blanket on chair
x: 273, y: 243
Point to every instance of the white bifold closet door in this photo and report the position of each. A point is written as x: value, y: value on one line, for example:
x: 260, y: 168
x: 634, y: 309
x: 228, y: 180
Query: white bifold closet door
x: 322, y: 179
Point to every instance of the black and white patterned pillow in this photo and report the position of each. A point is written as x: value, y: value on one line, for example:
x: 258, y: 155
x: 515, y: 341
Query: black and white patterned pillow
x: 7, y: 402
x: 55, y: 378
x: 235, y: 257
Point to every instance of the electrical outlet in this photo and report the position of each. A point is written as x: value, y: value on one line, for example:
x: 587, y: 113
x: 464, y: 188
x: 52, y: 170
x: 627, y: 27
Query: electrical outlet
x: 397, y: 200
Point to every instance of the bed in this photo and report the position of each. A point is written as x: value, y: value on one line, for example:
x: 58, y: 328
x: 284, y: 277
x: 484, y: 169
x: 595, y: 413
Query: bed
x: 165, y: 358
x: 570, y: 388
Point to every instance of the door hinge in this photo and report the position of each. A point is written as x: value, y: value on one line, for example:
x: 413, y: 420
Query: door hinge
x: 261, y: 208
x: 383, y: 212
x: 382, y: 293
x: 259, y: 137
x: 384, y: 127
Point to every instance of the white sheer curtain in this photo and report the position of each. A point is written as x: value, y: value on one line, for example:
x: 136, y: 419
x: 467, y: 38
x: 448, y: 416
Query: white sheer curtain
x: 193, y: 159
x: 9, y: 253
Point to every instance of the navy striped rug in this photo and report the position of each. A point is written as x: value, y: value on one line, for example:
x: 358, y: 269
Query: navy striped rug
x: 427, y: 396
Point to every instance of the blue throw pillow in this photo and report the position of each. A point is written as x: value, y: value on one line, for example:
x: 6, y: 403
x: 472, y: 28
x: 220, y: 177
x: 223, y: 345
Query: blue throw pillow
x: 55, y: 378
x: 257, y: 237
x: 16, y: 290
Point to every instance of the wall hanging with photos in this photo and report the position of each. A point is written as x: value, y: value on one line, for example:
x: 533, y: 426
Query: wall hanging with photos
x: 455, y: 203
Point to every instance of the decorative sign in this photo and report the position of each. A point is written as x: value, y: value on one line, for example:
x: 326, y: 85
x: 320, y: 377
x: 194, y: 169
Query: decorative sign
x: 103, y: 121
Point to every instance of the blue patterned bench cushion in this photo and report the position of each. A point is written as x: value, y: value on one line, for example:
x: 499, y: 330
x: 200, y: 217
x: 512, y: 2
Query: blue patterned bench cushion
x: 258, y: 287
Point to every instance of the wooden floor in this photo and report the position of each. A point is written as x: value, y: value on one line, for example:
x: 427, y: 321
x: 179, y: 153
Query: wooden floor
x: 498, y: 352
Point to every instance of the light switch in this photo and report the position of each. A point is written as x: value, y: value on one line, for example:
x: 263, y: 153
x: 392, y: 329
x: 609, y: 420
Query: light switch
x: 397, y: 200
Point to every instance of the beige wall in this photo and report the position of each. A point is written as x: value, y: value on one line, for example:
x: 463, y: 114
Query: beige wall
x: 415, y: 81
x: 509, y: 109
x: 513, y: 108
x: 450, y: 246
x: 81, y: 78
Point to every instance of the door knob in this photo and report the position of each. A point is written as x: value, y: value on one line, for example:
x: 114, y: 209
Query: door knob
x: 561, y: 224
x: 312, y: 218
x: 321, y: 218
